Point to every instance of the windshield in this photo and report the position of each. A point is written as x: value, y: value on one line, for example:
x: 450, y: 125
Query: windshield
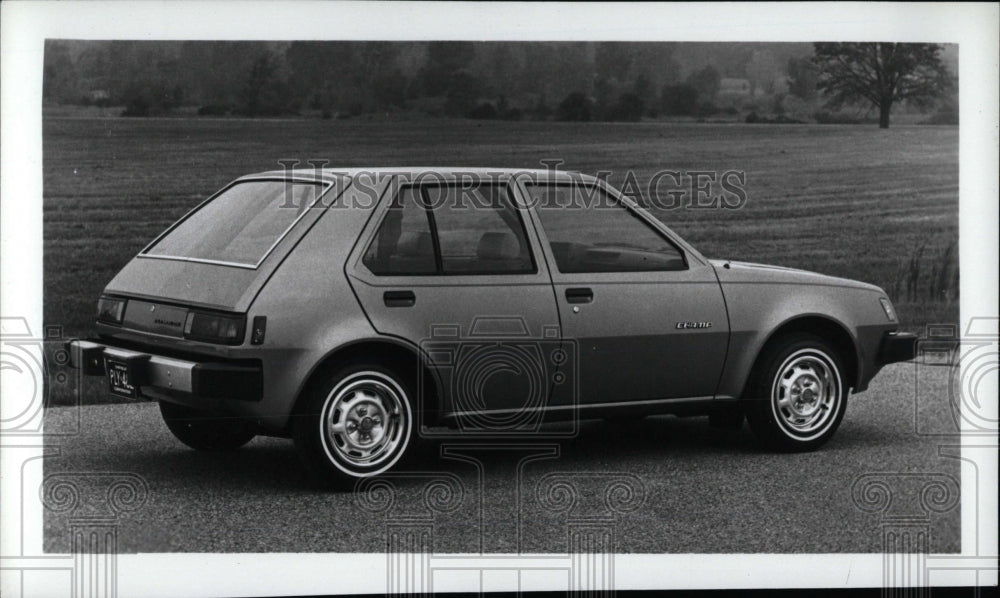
x: 240, y: 225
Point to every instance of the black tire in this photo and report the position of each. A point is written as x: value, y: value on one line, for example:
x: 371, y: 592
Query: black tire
x: 797, y: 395
x: 358, y: 423
x: 206, y: 431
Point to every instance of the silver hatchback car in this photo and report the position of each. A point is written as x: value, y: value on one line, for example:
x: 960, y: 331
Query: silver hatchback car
x: 354, y: 310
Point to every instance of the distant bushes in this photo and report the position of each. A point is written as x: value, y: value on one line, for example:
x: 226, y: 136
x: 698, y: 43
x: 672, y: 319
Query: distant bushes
x: 575, y: 107
x: 780, y: 119
x: 628, y: 108
x: 215, y: 110
x: 945, y: 115
x: 151, y: 98
x: 490, y: 111
x: 825, y: 117
x: 679, y: 100
x: 484, y: 111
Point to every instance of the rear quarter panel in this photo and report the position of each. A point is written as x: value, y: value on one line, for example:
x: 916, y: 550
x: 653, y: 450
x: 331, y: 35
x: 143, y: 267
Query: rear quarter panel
x: 310, y: 308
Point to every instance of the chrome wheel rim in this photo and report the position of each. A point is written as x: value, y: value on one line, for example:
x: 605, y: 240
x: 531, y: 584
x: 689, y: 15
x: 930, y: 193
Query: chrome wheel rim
x: 806, y: 394
x: 365, y: 424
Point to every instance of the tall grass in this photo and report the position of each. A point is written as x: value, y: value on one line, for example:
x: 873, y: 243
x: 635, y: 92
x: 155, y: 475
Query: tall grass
x: 929, y: 277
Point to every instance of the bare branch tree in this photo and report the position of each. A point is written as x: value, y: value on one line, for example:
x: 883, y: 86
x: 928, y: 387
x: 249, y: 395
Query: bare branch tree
x: 881, y: 74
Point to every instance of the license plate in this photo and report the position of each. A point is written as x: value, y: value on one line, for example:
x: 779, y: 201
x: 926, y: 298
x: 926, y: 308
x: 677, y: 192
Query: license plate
x: 118, y: 379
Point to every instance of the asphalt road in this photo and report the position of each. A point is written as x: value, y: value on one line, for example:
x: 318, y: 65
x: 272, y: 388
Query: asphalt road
x: 662, y: 484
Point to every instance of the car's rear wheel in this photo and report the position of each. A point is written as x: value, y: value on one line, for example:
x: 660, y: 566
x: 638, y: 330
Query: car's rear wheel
x: 797, y: 396
x: 357, y: 424
x: 206, y: 431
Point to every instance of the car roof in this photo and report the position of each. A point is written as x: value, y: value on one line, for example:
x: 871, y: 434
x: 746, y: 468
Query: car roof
x: 426, y: 173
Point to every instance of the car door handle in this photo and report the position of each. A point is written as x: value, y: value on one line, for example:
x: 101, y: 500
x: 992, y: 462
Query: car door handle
x: 399, y: 298
x: 579, y: 295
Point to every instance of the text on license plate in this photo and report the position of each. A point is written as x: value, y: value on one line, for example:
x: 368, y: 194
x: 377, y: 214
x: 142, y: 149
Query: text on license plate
x: 118, y: 379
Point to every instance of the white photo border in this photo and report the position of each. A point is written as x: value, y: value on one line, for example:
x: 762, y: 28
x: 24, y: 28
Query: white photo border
x: 26, y: 25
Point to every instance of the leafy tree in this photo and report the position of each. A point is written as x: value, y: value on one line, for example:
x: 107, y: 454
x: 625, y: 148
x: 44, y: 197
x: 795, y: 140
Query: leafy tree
x: 319, y: 72
x: 151, y: 98
x: 264, y: 92
x: 612, y: 60
x: 463, y: 91
x: 802, y: 78
x: 541, y: 111
x: 706, y: 81
x: 444, y: 61
x: 679, y: 100
x: 629, y: 107
x: 575, y: 107
x: 59, y: 79
x: 881, y: 74
x: 761, y: 70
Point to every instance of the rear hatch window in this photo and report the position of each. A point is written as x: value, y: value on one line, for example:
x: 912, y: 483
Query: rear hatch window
x: 240, y: 225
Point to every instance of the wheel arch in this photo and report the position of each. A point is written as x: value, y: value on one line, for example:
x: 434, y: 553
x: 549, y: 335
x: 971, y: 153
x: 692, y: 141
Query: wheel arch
x: 823, y: 326
x: 397, y: 355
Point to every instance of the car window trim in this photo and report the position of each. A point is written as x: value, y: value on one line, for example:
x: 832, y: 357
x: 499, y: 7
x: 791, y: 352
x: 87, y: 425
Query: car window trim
x: 432, y: 222
x: 627, y: 204
x: 327, y: 185
x: 432, y: 226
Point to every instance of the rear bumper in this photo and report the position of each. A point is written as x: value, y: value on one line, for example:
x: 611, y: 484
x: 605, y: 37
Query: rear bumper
x: 203, y: 379
x: 896, y: 347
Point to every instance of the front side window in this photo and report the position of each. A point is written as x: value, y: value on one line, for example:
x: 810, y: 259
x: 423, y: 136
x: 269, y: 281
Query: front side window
x: 590, y: 231
x: 448, y: 229
x: 240, y: 225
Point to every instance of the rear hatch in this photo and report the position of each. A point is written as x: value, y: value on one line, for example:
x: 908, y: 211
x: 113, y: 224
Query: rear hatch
x: 221, y: 253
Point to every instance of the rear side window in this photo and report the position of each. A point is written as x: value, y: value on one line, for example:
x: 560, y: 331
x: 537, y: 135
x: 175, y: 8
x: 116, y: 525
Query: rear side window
x: 445, y: 229
x: 241, y: 224
x: 403, y: 244
x: 478, y: 230
x: 590, y: 231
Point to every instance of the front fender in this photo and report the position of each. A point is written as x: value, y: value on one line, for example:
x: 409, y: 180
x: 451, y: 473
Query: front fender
x: 760, y: 310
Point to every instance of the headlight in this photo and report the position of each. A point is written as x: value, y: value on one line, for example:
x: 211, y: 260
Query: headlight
x: 110, y: 310
x: 887, y: 308
x: 214, y: 328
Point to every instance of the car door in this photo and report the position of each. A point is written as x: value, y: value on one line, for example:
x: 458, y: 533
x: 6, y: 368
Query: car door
x: 648, y: 317
x: 451, y: 268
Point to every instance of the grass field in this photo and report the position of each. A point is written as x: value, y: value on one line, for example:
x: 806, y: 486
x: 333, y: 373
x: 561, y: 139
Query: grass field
x: 851, y: 201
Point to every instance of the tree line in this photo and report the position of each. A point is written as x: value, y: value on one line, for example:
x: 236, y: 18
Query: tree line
x: 618, y: 81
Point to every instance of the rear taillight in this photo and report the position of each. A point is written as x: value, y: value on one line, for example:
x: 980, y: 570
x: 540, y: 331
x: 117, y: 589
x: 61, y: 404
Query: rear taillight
x: 215, y: 328
x: 110, y: 310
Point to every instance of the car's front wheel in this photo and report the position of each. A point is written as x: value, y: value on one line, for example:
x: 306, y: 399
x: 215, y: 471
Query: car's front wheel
x: 357, y: 424
x: 797, y: 396
x: 206, y: 431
